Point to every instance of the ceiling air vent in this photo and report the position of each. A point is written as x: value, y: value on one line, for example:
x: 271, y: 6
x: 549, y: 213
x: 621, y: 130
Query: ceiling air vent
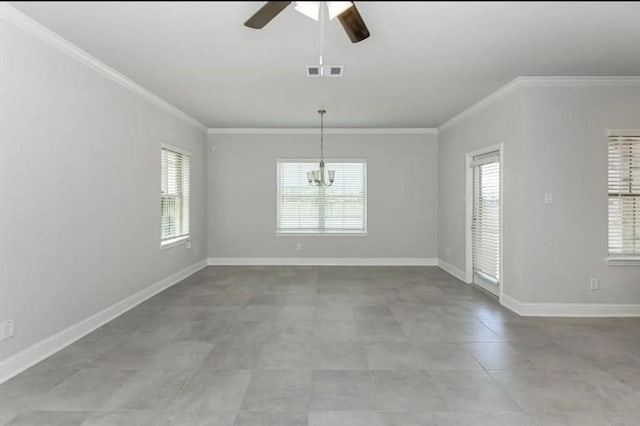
x: 313, y: 71
x: 334, y: 71
x: 325, y: 71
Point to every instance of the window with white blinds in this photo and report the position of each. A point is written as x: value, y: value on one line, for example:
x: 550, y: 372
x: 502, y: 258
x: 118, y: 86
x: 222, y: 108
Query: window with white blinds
x: 174, y: 198
x: 339, y: 208
x: 624, y: 194
x: 486, y: 216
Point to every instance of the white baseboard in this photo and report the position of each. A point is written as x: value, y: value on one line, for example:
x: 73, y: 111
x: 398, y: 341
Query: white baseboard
x: 322, y: 261
x: 458, y: 273
x: 570, y: 309
x: 37, y: 352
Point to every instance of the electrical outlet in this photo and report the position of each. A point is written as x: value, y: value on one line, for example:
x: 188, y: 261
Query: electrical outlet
x: 595, y: 284
x: 6, y: 330
x: 187, y: 244
x: 548, y: 198
x: 298, y: 246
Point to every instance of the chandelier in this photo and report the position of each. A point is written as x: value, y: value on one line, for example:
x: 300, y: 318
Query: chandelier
x: 316, y: 177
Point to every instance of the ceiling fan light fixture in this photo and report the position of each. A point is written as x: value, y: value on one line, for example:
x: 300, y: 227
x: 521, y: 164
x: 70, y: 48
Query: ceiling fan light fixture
x: 336, y: 8
x: 309, y: 8
x: 346, y: 12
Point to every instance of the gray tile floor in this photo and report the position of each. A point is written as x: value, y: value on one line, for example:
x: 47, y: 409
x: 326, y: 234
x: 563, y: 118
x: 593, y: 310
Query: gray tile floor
x: 334, y: 346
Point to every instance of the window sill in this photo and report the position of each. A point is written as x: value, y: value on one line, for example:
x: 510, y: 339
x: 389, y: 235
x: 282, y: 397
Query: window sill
x: 623, y: 260
x: 174, y: 242
x: 320, y: 234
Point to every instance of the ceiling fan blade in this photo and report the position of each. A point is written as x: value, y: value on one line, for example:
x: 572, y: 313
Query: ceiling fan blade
x: 353, y: 24
x: 266, y: 14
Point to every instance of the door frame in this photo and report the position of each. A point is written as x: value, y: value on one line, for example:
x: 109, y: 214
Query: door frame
x: 469, y: 213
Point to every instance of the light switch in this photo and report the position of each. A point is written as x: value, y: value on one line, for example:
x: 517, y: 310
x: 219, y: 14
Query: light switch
x: 548, y: 198
x: 6, y: 329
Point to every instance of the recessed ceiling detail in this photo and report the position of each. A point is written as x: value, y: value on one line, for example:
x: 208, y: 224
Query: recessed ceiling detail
x: 424, y: 62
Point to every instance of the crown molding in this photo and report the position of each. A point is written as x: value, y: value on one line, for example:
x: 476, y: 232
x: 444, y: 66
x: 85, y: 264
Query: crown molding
x: 529, y: 81
x: 480, y: 105
x: 316, y: 131
x: 34, y: 28
x: 538, y: 82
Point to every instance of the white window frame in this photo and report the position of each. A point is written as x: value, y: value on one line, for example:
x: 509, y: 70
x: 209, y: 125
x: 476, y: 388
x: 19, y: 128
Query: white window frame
x: 622, y: 259
x: 182, y: 239
x: 320, y: 233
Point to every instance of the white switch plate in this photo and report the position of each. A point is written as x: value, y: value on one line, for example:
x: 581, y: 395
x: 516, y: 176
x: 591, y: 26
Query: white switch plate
x: 6, y: 330
x: 548, y: 198
x: 595, y: 284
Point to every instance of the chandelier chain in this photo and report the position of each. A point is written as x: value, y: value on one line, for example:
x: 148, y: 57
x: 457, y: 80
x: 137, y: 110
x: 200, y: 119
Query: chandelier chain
x: 317, y: 177
x: 322, y: 134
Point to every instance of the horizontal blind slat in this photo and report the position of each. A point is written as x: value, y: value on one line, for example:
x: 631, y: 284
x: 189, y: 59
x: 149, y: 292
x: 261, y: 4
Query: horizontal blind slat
x: 302, y: 207
x: 175, y: 204
x: 624, y: 194
x: 486, y: 220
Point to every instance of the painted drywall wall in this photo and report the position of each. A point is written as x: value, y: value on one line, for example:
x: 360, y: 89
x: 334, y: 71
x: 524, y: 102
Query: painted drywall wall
x: 80, y: 174
x: 565, y: 152
x: 495, y: 124
x: 555, y: 140
x: 402, y: 195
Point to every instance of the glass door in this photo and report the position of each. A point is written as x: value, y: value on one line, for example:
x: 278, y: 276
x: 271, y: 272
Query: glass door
x: 485, y: 221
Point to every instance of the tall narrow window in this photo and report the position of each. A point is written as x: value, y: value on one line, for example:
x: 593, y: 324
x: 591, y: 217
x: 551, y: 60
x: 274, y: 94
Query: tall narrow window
x: 339, y: 208
x: 486, y: 217
x: 624, y: 195
x: 174, y: 198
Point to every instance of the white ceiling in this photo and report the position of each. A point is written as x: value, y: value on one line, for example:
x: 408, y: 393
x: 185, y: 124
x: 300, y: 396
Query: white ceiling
x: 424, y: 62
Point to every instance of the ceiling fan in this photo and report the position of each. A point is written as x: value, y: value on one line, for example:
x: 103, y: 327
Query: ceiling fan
x: 345, y: 11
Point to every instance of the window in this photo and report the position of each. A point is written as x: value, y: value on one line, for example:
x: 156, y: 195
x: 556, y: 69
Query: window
x: 174, y: 198
x: 624, y: 196
x: 339, y: 208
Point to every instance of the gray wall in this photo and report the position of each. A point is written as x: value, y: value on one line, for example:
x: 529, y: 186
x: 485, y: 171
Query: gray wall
x: 498, y: 123
x: 555, y: 141
x: 402, y: 196
x: 80, y: 174
x: 565, y: 153
x: 79, y: 223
